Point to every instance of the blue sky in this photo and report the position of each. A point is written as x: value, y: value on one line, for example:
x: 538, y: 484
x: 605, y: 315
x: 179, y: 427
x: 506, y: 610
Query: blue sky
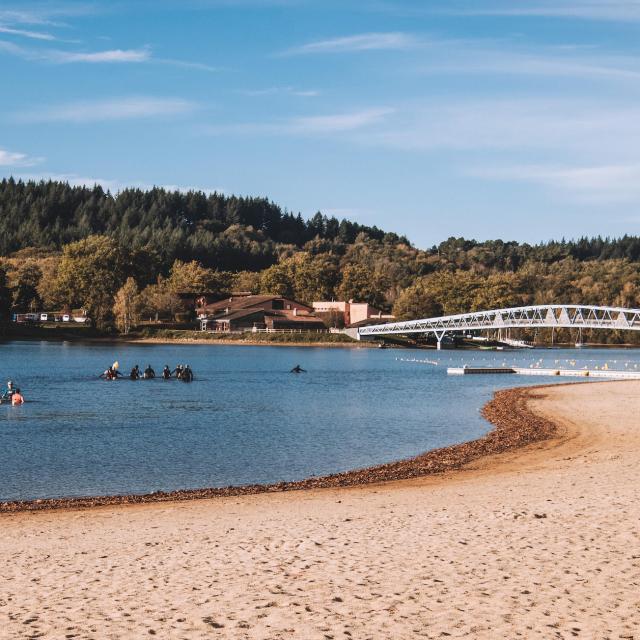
x: 517, y: 119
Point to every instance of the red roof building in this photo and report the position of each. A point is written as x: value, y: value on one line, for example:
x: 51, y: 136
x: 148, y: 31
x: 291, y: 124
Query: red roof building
x: 258, y: 313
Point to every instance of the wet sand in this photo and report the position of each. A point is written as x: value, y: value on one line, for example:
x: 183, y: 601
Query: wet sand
x: 539, y: 541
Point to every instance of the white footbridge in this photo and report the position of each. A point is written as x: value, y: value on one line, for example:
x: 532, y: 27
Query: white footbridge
x: 554, y: 316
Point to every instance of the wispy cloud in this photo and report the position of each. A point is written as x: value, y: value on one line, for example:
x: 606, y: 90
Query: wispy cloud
x: 25, y: 33
x: 107, y: 56
x: 270, y: 91
x: 338, y: 122
x: 15, y: 159
x: 601, y: 184
x: 358, y: 42
x: 45, y: 13
x: 606, y: 10
x: 513, y: 124
x: 111, y: 55
x: 106, y: 110
x: 307, y: 125
x: 474, y: 58
x: 185, y: 64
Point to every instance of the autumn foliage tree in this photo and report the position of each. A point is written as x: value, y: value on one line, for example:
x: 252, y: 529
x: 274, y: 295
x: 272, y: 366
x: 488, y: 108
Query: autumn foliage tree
x: 90, y: 273
x: 127, y: 306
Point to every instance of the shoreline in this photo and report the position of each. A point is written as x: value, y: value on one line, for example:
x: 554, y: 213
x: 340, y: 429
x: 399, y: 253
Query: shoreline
x: 123, y: 340
x: 515, y: 426
x: 537, y: 542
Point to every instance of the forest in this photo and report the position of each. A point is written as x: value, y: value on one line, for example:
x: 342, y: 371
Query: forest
x: 134, y: 254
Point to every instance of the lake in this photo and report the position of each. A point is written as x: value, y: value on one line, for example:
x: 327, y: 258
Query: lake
x: 245, y: 418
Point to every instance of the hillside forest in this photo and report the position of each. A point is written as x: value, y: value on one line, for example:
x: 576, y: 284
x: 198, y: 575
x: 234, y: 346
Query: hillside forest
x: 137, y: 254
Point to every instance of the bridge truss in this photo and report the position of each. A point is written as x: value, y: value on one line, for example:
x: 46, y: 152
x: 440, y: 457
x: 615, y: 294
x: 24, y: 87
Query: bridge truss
x: 538, y: 316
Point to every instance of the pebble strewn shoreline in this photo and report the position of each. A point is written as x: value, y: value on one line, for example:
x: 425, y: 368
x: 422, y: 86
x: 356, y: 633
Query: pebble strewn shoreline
x: 515, y: 425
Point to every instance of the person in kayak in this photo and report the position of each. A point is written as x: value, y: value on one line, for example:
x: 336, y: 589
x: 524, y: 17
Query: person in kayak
x: 149, y: 373
x: 166, y: 372
x: 135, y: 373
x: 17, y: 398
x: 298, y: 369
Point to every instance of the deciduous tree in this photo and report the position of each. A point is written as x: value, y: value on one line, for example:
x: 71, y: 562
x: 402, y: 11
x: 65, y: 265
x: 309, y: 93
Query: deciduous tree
x: 90, y: 273
x: 127, y: 305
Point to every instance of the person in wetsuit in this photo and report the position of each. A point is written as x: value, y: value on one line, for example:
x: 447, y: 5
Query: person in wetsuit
x: 135, y: 373
x: 9, y: 392
x: 298, y: 369
x: 110, y: 374
x: 166, y: 372
x: 178, y: 371
x: 149, y: 373
x: 187, y: 374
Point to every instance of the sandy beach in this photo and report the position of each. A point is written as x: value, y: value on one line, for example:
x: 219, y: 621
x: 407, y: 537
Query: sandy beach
x: 538, y: 542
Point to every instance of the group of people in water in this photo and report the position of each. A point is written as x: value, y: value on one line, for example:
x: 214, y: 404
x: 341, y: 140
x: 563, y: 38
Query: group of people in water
x: 181, y: 372
x: 12, y: 395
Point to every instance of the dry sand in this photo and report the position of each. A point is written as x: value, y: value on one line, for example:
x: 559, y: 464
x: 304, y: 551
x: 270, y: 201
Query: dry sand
x: 539, y: 543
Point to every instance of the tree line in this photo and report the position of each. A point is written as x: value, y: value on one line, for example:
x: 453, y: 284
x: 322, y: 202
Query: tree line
x: 141, y: 253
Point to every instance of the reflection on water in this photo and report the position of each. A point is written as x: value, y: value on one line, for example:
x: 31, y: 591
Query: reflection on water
x: 246, y: 418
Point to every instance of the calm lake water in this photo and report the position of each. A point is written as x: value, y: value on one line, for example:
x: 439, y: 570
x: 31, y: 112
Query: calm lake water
x: 245, y: 419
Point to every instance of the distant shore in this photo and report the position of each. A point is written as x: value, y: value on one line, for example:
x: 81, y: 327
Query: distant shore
x: 192, y: 337
x: 172, y: 336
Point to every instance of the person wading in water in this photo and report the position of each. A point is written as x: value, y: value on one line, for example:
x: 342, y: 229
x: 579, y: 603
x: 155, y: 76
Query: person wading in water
x: 149, y: 373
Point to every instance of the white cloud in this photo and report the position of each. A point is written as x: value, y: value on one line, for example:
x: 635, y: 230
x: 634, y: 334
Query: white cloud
x: 551, y: 62
x: 13, y: 49
x: 35, y: 35
x: 307, y: 125
x: 108, y: 56
x: 57, y: 56
x: 606, y: 10
x: 584, y: 184
x: 567, y: 126
x: 112, y: 109
x: 338, y: 122
x: 112, y: 55
x: 185, y: 64
x: 45, y: 13
x: 14, y: 159
x: 269, y: 91
x: 358, y: 42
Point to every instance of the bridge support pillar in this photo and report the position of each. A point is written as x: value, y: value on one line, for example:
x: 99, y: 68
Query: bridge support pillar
x: 439, y: 336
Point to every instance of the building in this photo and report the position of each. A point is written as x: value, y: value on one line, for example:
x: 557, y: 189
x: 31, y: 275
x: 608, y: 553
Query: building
x: 249, y: 312
x: 351, y: 313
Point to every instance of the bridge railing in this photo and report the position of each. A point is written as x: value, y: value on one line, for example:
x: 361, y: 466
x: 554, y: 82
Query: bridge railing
x: 536, y: 316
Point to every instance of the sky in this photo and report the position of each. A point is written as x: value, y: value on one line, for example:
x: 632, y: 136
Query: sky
x: 512, y: 119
